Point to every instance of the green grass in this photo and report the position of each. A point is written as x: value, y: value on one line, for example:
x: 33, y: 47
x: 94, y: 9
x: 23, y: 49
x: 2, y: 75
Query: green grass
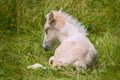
x: 21, y: 36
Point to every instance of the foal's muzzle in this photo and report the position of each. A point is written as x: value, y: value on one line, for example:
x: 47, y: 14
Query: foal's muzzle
x: 46, y: 46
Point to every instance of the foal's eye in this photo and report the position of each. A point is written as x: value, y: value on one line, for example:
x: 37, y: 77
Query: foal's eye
x: 46, y: 31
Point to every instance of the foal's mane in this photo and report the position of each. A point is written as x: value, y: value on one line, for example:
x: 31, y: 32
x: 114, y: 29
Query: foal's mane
x: 72, y: 20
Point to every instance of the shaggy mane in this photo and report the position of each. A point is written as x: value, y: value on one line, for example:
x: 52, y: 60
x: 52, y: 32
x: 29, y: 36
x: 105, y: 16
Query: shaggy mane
x: 72, y: 20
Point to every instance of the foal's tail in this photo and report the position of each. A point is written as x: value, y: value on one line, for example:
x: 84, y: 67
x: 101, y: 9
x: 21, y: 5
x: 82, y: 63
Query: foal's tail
x: 91, y: 58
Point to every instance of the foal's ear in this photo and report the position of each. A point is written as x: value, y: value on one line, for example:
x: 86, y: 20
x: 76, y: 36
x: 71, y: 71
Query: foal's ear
x: 50, y: 16
x: 61, y: 9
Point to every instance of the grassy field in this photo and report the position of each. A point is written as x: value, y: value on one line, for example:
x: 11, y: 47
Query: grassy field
x: 21, y: 36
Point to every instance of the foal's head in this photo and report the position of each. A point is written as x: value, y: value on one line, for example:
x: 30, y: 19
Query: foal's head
x: 52, y: 26
x: 59, y: 26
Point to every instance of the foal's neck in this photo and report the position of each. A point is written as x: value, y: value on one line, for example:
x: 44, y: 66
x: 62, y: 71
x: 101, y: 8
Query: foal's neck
x: 69, y: 33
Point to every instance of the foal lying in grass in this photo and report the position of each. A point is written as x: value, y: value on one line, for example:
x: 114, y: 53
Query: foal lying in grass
x: 75, y: 48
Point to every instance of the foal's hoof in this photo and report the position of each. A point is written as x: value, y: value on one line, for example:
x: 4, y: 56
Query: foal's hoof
x: 51, y: 60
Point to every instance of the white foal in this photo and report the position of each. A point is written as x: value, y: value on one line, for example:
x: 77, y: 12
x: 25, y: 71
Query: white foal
x: 75, y: 48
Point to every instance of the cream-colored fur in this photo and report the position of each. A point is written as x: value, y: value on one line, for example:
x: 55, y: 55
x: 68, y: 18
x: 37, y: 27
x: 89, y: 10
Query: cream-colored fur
x: 75, y: 48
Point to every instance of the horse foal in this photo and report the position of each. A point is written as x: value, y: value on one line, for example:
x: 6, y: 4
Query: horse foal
x: 75, y: 48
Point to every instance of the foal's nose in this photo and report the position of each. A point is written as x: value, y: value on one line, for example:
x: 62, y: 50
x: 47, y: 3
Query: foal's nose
x: 46, y: 46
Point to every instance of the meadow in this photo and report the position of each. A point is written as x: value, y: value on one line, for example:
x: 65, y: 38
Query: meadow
x: 22, y: 33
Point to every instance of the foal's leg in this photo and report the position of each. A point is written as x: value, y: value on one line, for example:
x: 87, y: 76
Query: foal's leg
x: 51, y: 60
x: 80, y: 64
x: 91, y: 57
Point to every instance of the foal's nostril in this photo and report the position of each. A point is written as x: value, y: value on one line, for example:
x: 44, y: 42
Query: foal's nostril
x: 45, y: 48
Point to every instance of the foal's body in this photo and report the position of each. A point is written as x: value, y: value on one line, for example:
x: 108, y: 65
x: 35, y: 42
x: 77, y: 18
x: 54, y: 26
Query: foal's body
x: 78, y: 52
x: 75, y: 48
